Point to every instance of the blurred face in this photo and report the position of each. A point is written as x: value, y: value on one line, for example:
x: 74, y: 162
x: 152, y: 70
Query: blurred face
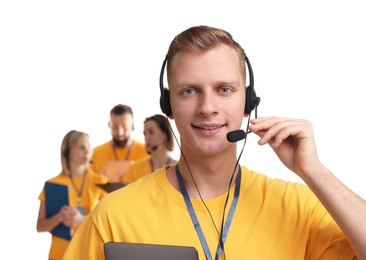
x: 154, y: 137
x: 80, y: 152
x: 121, y: 128
x: 207, y: 96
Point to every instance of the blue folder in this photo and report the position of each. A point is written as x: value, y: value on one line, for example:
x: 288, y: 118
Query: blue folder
x: 57, y: 196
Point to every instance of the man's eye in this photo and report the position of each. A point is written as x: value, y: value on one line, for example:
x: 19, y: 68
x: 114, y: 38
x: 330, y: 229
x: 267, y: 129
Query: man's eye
x: 189, y: 91
x: 225, y: 90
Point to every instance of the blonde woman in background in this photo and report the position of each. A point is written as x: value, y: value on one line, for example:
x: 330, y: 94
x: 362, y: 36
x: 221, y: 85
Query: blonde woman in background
x: 83, y: 193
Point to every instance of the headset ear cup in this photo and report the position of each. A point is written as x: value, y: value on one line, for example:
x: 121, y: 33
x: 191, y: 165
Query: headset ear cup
x: 249, y: 101
x: 165, y: 102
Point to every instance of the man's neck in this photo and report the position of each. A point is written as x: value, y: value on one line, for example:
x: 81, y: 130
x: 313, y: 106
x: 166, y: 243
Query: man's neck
x: 210, y: 176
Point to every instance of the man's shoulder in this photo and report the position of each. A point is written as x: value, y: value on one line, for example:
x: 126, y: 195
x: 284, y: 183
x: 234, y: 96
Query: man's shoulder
x: 102, y: 147
x: 256, y: 178
x: 138, y: 143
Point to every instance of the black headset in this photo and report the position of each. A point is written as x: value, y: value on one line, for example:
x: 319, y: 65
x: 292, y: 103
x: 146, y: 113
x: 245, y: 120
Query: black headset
x: 251, y: 99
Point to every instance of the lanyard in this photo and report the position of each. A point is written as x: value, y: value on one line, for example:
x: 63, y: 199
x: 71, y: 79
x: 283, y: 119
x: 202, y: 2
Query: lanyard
x: 127, y: 154
x: 195, y: 220
x: 79, y: 192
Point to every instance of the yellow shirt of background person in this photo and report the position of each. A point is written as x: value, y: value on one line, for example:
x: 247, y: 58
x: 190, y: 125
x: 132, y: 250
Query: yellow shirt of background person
x: 139, y: 169
x: 90, y: 196
x: 122, y: 147
x: 159, y: 143
x: 142, y: 168
x: 109, y: 152
x: 83, y: 192
x: 294, y: 210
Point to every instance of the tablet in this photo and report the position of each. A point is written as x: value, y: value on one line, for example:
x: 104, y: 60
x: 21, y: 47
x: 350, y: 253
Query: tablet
x: 133, y: 251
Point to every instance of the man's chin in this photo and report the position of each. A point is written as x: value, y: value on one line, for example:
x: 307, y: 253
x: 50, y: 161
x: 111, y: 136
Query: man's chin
x: 120, y: 144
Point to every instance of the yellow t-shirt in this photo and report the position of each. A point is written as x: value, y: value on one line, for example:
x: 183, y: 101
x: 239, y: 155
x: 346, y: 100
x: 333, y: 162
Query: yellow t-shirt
x: 274, y: 219
x: 108, y: 152
x: 140, y: 169
x: 90, y: 196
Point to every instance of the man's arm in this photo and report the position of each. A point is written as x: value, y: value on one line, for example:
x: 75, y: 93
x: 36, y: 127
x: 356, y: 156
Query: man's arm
x: 293, y: 142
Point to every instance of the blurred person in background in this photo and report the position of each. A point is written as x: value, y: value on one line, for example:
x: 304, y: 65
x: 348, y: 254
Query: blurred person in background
x: 114, y: 157
x: 82, y: 191
x: 159, y: 143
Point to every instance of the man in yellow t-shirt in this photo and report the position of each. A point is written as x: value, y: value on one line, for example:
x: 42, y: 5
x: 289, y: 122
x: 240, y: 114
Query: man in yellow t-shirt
x: 114, y: 157
x: 207, y: 200
x: 273, y: 220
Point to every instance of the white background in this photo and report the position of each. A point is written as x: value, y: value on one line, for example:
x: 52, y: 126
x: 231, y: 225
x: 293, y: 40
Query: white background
x: 65, y: 64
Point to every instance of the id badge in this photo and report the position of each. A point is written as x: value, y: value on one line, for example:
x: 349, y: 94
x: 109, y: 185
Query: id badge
x: 81, y: 210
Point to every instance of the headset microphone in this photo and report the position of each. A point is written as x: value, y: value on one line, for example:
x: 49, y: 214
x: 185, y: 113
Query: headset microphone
x: 152, y: 149
x: 235, y: 136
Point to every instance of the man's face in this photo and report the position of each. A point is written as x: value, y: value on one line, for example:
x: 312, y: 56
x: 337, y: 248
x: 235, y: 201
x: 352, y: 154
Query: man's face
x: 121, y: 128
x: 207, y: 96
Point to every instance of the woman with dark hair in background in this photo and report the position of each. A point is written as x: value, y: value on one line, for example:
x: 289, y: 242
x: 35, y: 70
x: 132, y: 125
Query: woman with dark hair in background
x: 159, y: 143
